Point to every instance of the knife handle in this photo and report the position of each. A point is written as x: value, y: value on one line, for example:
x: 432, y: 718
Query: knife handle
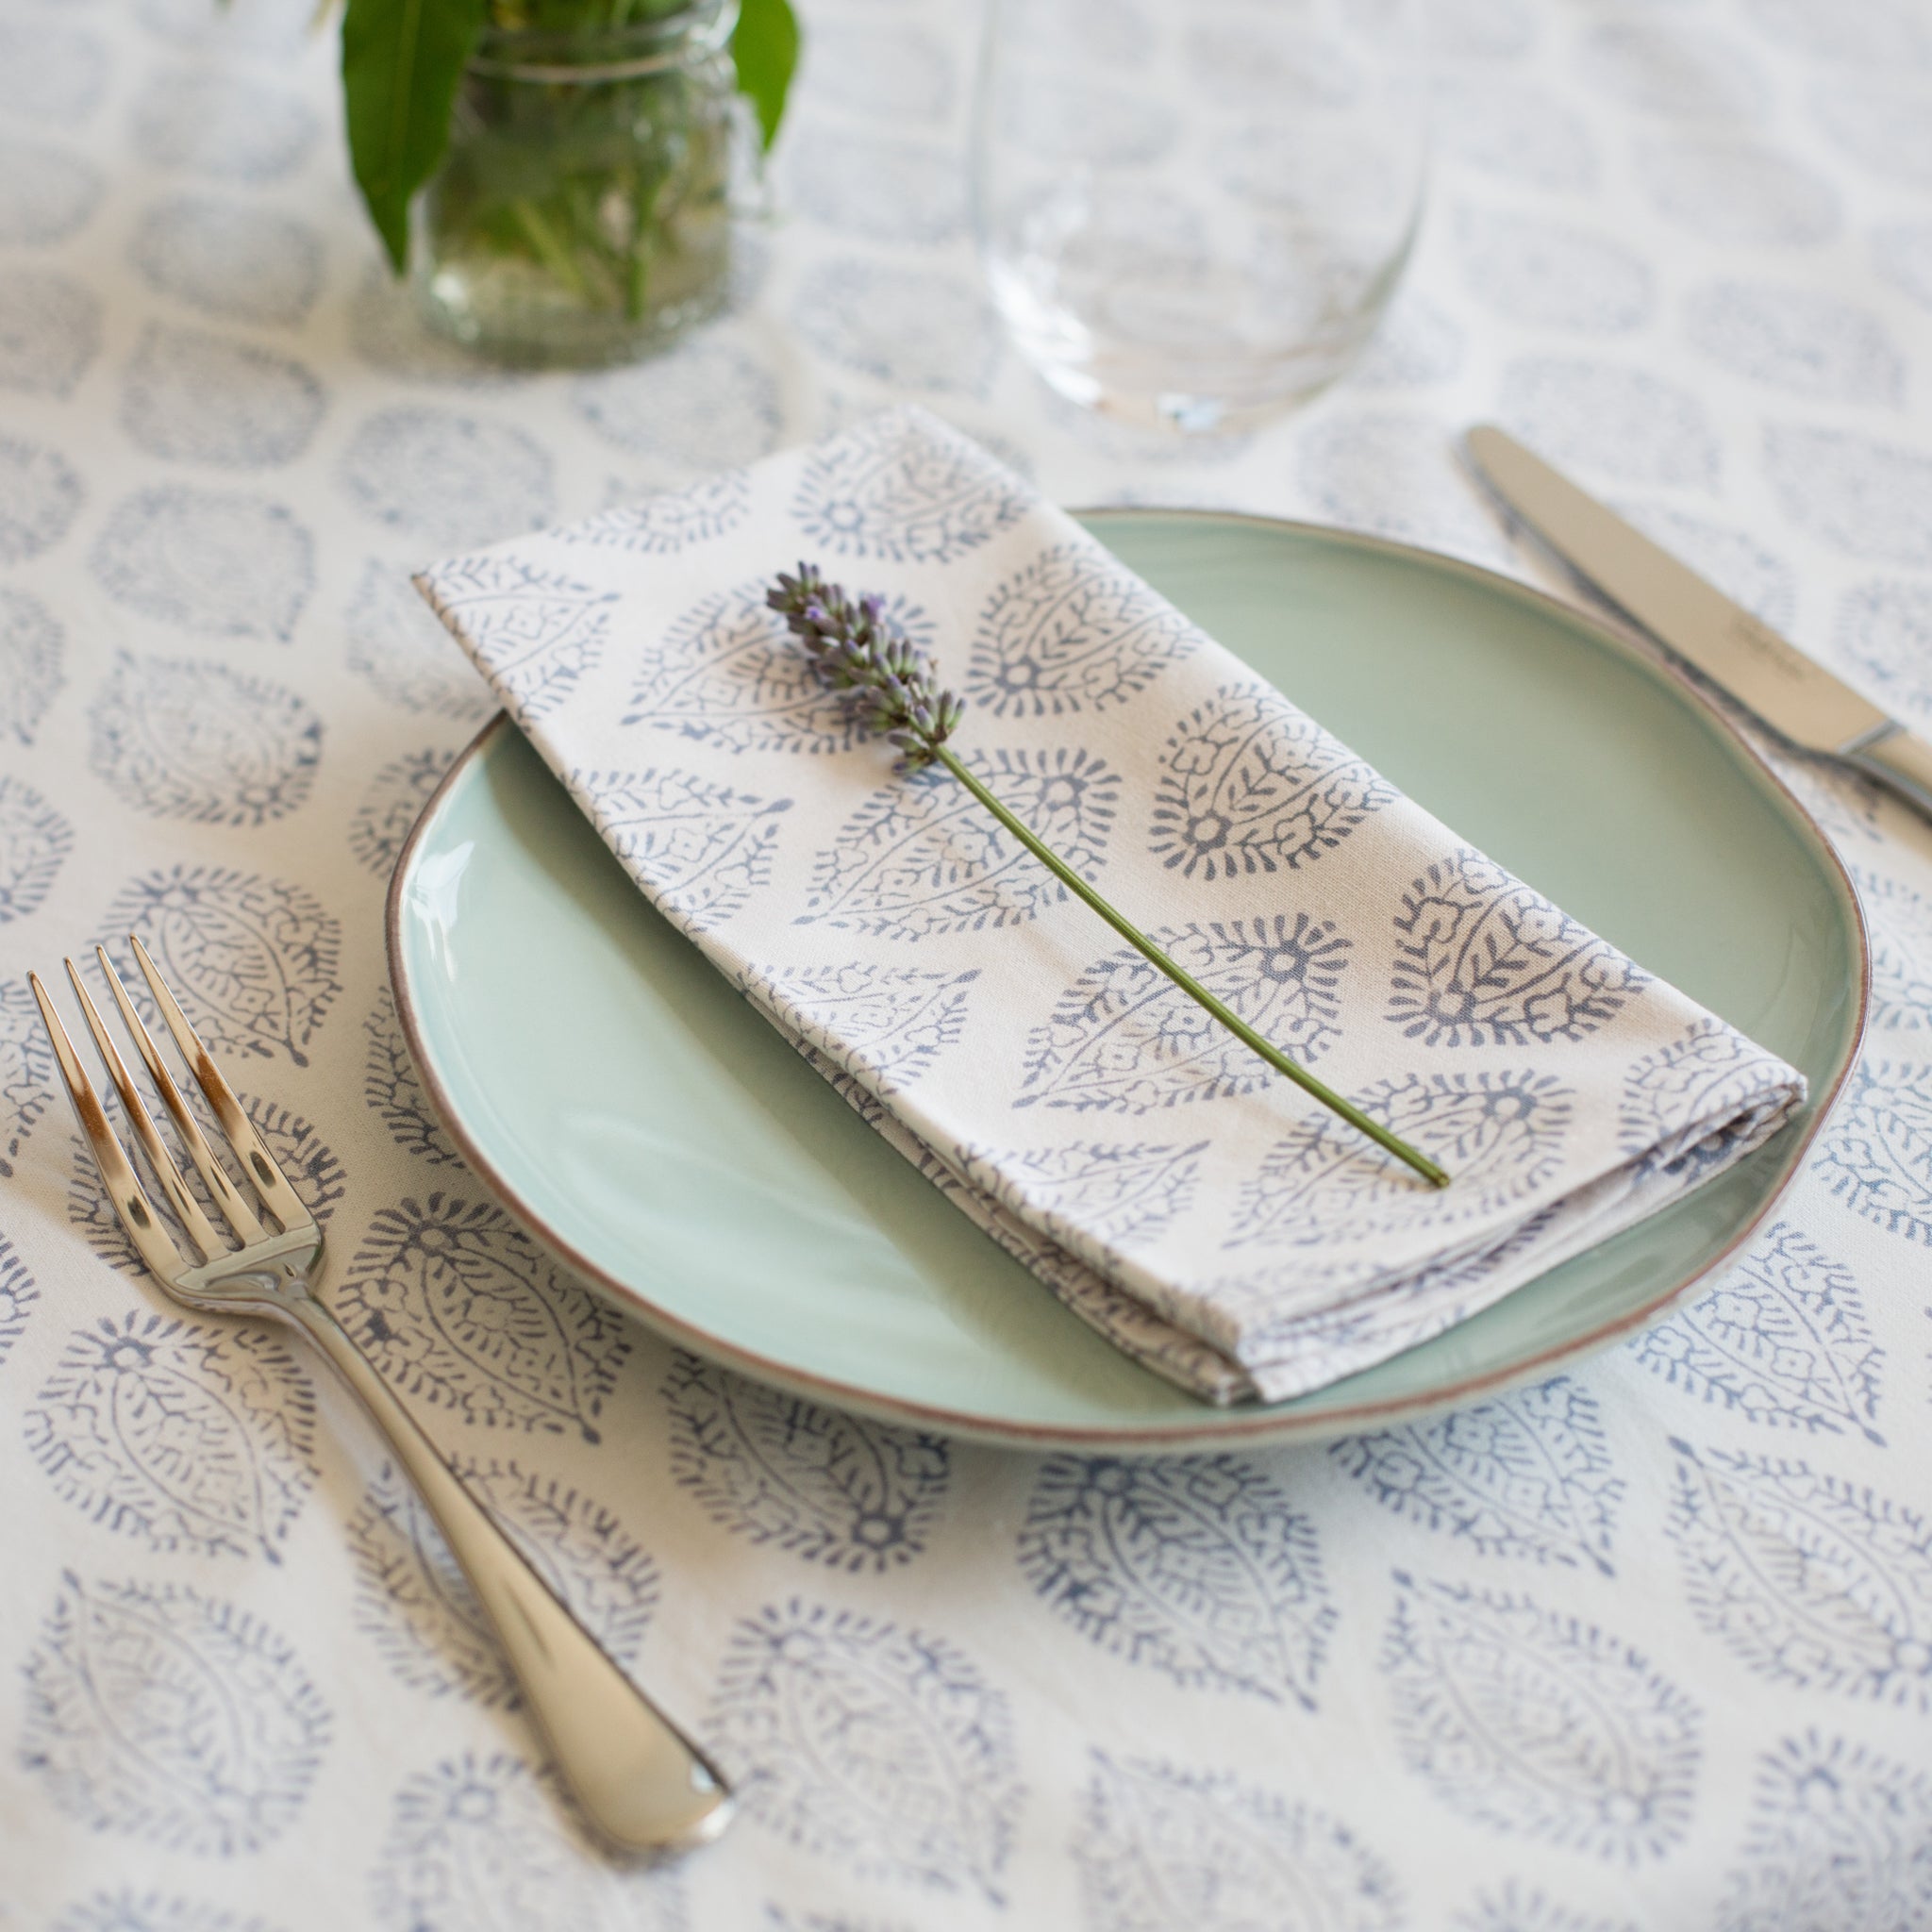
x: 1900, y: 761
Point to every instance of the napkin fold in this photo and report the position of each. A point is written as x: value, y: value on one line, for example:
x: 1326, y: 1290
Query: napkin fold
x: 1194, y: 1206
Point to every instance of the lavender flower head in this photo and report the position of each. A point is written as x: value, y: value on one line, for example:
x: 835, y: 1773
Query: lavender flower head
x: 866, y: 658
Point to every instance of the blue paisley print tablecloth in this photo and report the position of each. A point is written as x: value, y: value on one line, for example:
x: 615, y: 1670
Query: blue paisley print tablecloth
x: 1647, y: 1646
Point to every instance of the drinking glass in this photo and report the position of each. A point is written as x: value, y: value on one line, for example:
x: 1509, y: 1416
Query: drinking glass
x: 1194, y: 214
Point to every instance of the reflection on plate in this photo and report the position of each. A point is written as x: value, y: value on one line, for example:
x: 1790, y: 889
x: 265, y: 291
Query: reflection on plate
x: 636, y: 1115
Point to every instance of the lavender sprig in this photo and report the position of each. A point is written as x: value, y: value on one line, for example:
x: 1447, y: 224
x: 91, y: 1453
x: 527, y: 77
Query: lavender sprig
x: 860, y: 652
x: 889, y: 687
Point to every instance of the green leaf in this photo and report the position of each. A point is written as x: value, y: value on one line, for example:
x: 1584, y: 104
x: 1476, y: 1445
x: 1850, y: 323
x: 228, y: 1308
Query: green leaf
x: 764, y: 48
x: 401, y: 62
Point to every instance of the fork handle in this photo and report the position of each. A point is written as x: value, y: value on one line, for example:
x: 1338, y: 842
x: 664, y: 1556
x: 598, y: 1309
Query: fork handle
x: 636, y: 1776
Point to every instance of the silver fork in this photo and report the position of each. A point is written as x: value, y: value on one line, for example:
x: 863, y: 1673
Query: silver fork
x: 642, y: 1782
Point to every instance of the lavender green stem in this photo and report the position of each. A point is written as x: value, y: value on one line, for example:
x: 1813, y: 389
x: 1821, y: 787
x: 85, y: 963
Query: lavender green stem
x: 1435, y: 1175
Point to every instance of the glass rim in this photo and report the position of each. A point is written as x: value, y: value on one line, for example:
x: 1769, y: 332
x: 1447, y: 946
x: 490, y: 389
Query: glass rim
x: 591, y: 54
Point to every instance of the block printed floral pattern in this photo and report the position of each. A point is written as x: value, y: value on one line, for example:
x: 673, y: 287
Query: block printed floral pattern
x: 1602, y: 1090
x: 1629, y: 1646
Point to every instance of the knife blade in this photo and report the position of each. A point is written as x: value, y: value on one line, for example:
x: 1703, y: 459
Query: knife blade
x: 1798, y: 698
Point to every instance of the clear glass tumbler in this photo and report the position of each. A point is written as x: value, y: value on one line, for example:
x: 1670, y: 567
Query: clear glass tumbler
x: 1194, y: 215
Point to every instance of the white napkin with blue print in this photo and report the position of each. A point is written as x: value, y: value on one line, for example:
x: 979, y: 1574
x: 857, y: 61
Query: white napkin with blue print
x: 1193, y: 1206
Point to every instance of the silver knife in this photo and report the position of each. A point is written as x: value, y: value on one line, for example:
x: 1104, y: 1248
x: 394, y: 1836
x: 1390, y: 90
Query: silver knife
x: 1800, y: 700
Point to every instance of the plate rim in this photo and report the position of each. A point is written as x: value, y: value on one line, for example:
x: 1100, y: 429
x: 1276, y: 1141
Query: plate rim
x: 1239, y: 1425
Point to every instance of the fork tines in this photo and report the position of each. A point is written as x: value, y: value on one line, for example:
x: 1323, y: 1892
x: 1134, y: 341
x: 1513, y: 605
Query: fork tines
x: 118, y: 1173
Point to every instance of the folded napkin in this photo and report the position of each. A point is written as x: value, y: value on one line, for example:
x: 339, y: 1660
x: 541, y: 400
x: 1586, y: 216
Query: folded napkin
x: 1194, y: 1206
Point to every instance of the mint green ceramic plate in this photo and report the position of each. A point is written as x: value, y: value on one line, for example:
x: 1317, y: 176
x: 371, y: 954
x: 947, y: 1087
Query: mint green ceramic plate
x: 633, y: 1113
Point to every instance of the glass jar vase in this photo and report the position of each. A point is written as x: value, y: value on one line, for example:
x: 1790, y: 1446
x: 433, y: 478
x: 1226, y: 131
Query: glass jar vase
x: 582, y: 214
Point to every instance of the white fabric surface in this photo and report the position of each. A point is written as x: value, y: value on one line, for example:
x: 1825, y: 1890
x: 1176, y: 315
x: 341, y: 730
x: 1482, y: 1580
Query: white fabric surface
x: 1646, y: 1647
x: 1197, y: 1208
